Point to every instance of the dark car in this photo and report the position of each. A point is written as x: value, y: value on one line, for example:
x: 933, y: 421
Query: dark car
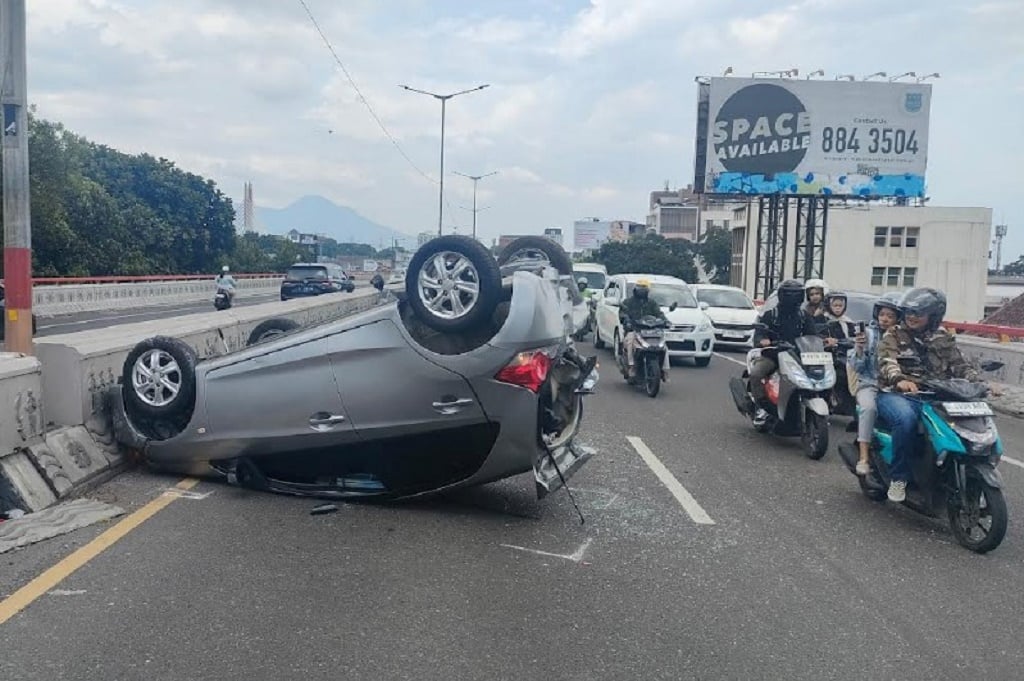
x: 858, y: 304
x: 314, y: 279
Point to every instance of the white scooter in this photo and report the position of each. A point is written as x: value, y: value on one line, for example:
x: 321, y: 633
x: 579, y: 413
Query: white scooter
x: 797, y: 393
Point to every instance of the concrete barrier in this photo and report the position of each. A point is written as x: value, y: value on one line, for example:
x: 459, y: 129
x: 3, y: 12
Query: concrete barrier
x: 48, y: 452
x: 1010, y: 354
x: 72, y: 298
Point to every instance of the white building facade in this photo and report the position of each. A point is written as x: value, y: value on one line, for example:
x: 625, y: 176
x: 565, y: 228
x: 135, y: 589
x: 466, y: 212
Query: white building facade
x: 879, y: 248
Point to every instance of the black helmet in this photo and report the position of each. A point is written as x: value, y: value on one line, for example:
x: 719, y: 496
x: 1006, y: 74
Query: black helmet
x: 791, y: 293
x: 925, y: 301
x: 890, y: 300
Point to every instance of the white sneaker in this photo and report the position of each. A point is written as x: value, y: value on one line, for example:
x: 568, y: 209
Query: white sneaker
x: 863, y: 468
x: 898, y: 491
x: 760, y: 417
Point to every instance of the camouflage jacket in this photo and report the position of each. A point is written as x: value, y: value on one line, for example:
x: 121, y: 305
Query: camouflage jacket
x: 937, y: 354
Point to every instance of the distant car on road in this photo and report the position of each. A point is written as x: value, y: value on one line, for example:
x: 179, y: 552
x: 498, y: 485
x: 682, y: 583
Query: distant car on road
x: 858, y: 304
x: 731, y: 311
x: 314, y: 279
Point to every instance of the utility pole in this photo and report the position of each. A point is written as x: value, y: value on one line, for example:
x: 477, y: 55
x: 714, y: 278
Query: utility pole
x: 17, y: 224
x: 1000, y: 234
x: 475, y: 178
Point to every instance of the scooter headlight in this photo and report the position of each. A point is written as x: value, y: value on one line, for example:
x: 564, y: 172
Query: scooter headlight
x: 795, y: 372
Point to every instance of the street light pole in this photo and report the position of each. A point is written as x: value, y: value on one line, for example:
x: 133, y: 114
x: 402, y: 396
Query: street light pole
x: 475, y: 178
x: 444, y: 101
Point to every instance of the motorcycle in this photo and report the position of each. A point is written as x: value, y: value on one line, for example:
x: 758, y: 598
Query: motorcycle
x: 222, y: 298
x: 650, y: 354
x: 798, y: 392
x: 953, y: 464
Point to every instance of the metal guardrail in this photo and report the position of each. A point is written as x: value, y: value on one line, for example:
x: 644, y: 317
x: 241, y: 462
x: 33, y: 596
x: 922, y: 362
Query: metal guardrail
x: 1004, y: 333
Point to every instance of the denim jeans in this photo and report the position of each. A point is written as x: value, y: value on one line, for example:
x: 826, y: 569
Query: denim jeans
x: 901, y: 415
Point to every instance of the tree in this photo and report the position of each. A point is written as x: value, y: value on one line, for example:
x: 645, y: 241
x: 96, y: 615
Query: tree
x: 98, y: 211
x: 715, y: 251
x: 649, y: 254
x: 1014, y: 269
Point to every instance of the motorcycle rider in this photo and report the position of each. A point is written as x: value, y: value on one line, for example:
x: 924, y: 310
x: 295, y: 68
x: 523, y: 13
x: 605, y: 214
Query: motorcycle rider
x: 636, y: 306
x: 837, y: 324
x: 227, y: 282
x: 786, y: 322
x: 815, y: 291
x: 919, y: 337
x: 862, y: 370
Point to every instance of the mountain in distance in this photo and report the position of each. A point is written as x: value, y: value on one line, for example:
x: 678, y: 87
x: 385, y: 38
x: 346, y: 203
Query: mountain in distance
x: 318, y: 215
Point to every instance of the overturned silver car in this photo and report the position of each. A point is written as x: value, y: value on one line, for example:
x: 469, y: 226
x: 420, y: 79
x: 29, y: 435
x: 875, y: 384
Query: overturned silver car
x: 467, y: 378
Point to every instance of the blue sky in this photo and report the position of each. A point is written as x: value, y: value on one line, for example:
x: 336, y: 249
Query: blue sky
x: 591, y: 104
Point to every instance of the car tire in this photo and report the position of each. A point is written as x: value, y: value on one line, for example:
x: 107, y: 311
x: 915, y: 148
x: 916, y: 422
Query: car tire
x: 271, y: 328
x: 175, y: 361
x: 459, y: 309
x: 534, y: 246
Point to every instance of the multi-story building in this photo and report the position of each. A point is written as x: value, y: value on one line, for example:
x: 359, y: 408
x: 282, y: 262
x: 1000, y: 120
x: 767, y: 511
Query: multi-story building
x: 673, y: 216
x: 880, y: 248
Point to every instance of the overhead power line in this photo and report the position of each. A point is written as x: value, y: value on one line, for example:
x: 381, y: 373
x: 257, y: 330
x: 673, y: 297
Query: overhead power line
x: 362, y: 97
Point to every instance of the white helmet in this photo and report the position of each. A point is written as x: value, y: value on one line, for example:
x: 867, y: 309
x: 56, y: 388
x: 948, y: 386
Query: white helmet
x: 225, y: 268
x: 816, y: 283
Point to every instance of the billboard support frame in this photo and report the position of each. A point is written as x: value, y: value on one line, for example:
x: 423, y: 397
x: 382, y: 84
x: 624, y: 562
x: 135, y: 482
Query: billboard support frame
x: 772, y: 233
x: 811, y: 231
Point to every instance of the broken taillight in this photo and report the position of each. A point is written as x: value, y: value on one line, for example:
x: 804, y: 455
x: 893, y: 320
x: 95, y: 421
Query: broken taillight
x: 527, y: 370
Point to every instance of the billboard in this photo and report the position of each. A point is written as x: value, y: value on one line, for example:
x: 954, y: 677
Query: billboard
x: 555, y: 234
x: 588, y: 235
x: 838, y: 138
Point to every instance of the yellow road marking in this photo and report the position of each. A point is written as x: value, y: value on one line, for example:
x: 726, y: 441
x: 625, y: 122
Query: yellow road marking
x: 24, y: 596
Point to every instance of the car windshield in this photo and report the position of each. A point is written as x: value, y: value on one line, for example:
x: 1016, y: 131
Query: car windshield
x: 595, y: 280
x: 300, y: 273
x: 736, y: 300
x: 666, y: 294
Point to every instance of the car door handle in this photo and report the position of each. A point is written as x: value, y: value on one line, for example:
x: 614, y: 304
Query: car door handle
x: 323, y: 421
x: 452, y: 406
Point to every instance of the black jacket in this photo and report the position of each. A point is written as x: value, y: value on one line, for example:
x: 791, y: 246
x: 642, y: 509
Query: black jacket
x: 789, y: 328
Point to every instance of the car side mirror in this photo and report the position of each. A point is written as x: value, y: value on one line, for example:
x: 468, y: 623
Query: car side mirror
x: 991, y: 365
x: 703, y: 305
x: 673, y: 306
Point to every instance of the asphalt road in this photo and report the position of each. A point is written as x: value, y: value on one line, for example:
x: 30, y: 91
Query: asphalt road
x: 798, y: 577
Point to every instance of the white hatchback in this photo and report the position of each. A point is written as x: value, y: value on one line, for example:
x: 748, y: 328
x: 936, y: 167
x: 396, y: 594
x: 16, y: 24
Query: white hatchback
x: 691, y: 335
x: 732, y: 312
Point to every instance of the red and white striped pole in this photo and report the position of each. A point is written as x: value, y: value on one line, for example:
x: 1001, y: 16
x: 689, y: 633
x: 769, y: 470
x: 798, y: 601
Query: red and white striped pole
x: 17, y: 224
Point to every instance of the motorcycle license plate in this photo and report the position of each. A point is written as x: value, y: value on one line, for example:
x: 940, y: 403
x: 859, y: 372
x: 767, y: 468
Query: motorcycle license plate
x: 816, y: 359
x: 967, y: 408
